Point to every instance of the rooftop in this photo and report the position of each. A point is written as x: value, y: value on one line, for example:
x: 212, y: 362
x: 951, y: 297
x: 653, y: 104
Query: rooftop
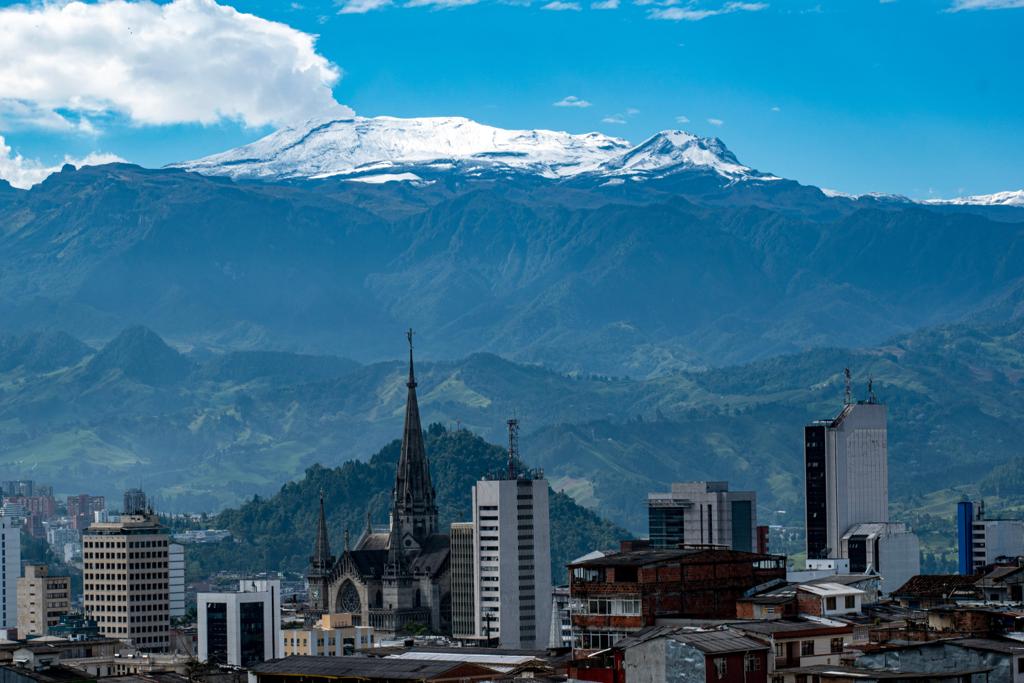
x: 935, y: 585
x: 782, y: 626
x: 366, y: 667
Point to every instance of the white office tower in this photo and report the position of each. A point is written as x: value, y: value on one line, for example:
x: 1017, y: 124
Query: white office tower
x: 846, y: 464
x: 10, y: 571
x: 511, y: 560
x: 176, y: 579
x: 703, y: 513
x: 242, y: 628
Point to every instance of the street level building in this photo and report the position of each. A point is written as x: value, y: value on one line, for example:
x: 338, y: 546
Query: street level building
x: 982, y: 541
x: 703, y: 513
x: 240, y: 628
x: 10, y: 570
x: 126, y: 586
x: 42, y: 600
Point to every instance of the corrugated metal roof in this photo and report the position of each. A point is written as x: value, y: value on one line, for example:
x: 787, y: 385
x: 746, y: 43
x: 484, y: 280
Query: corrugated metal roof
x: 370, y: 667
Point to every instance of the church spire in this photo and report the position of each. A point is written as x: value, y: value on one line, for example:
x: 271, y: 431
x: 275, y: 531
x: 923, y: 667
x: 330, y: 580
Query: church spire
x: 321, y: 561
x: 414, y: 508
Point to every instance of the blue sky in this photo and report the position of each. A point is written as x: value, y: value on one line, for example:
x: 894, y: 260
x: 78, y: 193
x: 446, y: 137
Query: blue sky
x: 856, y: 95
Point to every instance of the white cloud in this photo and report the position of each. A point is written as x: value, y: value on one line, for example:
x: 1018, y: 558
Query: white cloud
x: 441, y: 4
x: 562, y: 6
x: 716, y: 122
x: 24, y: 173
x: 362, y: 6
x: 177, y: 62
x: 571, y: 101
x: 614, y: 118
x: 695, y: 13
x: 960, y: 5
x: 605, y: 4
x: 776, y: 109
x: 632, y: 111
x: 682, y: 119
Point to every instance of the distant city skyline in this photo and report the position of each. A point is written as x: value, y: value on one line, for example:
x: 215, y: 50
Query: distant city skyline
x: 910, y: 98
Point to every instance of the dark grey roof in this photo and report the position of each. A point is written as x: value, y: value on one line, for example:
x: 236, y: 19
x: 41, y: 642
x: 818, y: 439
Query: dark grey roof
x: 368, y: 667
x: 882, y: 674
x: 711, y: 642
x: 1001, y: 646
x: 845, y: 579
x: 637, y: 557
x: 784, y: 626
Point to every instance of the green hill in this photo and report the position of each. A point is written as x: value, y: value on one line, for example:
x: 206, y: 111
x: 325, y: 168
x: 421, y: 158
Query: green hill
x: 277, y: 533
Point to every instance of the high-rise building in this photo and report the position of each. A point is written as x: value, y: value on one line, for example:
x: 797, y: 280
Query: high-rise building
x: 42, y: 600
x: 134, y: 502
x: 982, y: 541
x: 81, y: 509
x: 511, y: 561
x: 126, y: 584
x: 240, y: 628
x: 463, y: 580
x: 176, y: 579
x: 703, y: 513
x: 847, y: 474
x: 10, y: 570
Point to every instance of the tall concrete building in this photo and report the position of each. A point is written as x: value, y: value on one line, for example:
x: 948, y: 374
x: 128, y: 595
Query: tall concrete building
x: 846, y: 465
x: 982, y: 541
x: 126, y: 584
x: 176, y: 579
x: 511, y: 561
x: 42, y: 600
x: 846, y: 460
x: 703, y: 513
x: 240, y: 628
x: 10, y: 570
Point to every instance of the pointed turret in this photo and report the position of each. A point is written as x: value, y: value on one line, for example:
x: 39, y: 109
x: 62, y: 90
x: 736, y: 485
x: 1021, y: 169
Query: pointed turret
x: 322, y: 561
x: 414, y: 511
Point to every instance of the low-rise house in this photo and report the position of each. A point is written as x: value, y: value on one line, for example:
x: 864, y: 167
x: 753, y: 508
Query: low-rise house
x: 1002, y: 584
x: 852, y: 674
x: 827, y: 599
x: 334, y: 635
x: 799, y: 643
x: 662, y: 655
x: 617, y: 595
x: 367, y: 670
x: 925, y: 591
x: 1003, y: 659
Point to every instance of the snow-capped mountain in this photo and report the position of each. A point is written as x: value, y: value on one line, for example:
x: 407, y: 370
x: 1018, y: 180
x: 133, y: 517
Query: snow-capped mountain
x: 1011, y: 198
x: 385, y: 148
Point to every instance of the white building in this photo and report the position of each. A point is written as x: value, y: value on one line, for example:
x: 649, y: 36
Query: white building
x: 846, y: 464
x: 509, y: 585
x: 890, y: 550
x: 176, y: 579
x: 703, y: 513
x: 240, y: 628
x: 10, y: 571
x: 333, y: 636
x: 831, y: 599
x: 561, y: 618
x: 846, y: 460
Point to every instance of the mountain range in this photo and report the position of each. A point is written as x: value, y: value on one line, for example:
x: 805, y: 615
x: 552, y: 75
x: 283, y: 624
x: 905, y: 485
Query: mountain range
x: 652, y: 312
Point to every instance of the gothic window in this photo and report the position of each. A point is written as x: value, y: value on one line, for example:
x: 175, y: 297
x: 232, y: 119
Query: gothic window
x: 418, y: 598
x: 378, y: 600
x: 348, y: 599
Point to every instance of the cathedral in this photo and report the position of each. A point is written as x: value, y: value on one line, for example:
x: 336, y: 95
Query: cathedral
x: 400, y: 577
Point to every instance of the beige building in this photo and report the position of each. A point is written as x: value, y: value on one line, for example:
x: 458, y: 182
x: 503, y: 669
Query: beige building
x: 334, y: 635
x: 126, y: 583
x: 42, y: 600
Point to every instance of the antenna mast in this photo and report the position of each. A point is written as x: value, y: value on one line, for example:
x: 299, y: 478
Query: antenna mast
x: 849, y: 394
x: 513, y: 446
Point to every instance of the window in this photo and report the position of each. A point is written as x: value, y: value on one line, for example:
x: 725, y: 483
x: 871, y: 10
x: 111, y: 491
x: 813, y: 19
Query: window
x: 778, y: 679
x: 751, y: 663
x: 830, y: 603
x: 721, y: 667
x: 851, y: 602
x: 836, y: 645
x: 806, y: 648
x: 780, y: 650
x: 1020, y: 665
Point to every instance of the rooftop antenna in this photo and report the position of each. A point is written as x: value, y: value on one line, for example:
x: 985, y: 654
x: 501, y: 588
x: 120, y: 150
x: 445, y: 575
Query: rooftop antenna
x: 849, y: 394
x: 871, y: 391
x: 513, y: 446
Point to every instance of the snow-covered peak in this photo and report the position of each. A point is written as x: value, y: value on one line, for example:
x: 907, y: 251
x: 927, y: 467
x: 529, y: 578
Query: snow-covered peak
x: 1010, y: 198
x: 392, y: 146
x: 673, y: 150
x: 357, y: 145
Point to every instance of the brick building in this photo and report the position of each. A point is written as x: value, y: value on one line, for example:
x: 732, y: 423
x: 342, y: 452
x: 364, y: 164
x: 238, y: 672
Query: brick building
x: 619, y: 594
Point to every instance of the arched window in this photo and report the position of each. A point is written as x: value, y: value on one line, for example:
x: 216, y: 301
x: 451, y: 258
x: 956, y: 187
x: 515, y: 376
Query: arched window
x: 348, y: 599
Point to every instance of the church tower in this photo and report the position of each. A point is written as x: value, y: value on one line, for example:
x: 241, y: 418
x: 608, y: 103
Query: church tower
x: 414, y: 511
x: 320, y: 565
